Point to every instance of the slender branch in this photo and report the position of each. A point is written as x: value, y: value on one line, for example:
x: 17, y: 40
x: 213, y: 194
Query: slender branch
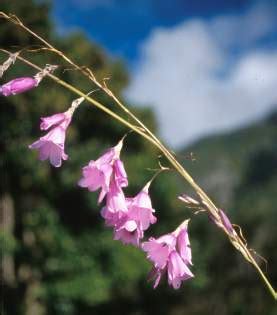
x: 88, y: 73
x: 235, y: 239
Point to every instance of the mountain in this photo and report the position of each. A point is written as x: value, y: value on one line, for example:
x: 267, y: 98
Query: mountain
x: 220, y: 161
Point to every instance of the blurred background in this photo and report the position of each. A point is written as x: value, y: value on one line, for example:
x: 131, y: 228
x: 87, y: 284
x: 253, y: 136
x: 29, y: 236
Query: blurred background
x: 203, y: 75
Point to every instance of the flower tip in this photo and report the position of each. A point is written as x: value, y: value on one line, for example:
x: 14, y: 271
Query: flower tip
x: 146, y: 187
x: 119, y: 146
x: 184, y: 224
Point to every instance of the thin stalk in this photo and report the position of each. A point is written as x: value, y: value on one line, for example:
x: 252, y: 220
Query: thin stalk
x: 88, y: 98
x: 84, y: 70
x: 144, y: 132
x: 88, y: 73
x: 210, y: 206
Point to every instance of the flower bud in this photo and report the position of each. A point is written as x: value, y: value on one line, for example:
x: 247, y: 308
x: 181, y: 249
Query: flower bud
x: 18, y: 86
x: 24, y: 84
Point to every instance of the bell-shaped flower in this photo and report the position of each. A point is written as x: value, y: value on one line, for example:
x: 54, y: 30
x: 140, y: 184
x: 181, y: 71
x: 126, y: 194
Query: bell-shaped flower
x: 52, y: 144
x: 177, y: 270
x: 50, y: 121
x: 116, y: 207
x: 101, y: 172
x: 170, y: 253
x: 137, y: 219
x: 128, y: 232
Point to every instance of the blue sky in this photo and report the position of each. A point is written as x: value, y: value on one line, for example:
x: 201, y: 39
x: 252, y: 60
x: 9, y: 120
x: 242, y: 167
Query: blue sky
x: 205, y: 66
x: 121, y: 25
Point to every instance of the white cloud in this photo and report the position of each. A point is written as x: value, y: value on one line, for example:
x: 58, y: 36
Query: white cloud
x: 245, y: 29
x: 194, y: 83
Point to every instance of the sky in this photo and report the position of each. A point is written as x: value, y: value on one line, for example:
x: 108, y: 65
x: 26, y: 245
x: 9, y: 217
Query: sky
x: 205, y: 67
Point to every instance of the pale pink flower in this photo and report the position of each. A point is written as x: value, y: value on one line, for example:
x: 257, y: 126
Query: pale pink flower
x: 18, y: 86
x: 177, y: 270
x: 170, y: 253
x: 116, y: 206
x: 50, y: 121
x: 128, y: 232
x: 52, y: 144
x: 137, y: 220
x: 100, y: 173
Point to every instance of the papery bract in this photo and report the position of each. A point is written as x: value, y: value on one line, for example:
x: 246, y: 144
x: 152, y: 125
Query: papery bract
x: 99, y: 174
x: 222, y: 221
x: 226, y: 222
x: 171, y: 253
x: 5, y: 66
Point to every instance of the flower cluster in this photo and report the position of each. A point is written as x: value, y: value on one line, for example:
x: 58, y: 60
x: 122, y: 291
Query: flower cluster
x: 171, y: 253
x: 129, y: 217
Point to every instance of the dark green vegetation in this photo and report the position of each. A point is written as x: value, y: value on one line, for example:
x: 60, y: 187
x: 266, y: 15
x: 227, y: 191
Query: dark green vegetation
x: 57, y: 256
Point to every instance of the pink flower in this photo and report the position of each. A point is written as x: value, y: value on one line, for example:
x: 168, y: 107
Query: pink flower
x: 100, y: 173
x: 50, y: 121
x: 137, y: 219
x: 23, y: 84
x: 18, y: 86
x: 116, y: 206
x: 52, y: 144
x: 170, y: 253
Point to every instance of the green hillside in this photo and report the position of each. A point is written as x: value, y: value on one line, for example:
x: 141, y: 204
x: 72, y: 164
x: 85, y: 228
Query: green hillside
x: 221, y: 161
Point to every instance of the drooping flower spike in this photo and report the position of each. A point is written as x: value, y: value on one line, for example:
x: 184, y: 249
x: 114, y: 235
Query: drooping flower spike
x: 105, y: 170
x: 23, y: 84
x: 129, y: 217
x: 5, y: 66
x: 170, y: 253
x: 51, y: 146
